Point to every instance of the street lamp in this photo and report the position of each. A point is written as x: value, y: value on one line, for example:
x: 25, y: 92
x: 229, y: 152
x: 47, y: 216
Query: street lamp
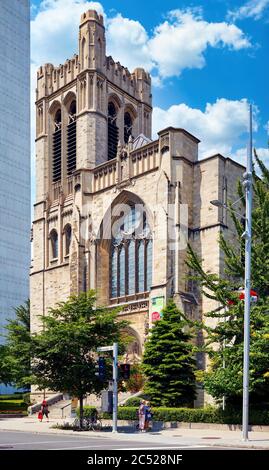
x: 247, y: 235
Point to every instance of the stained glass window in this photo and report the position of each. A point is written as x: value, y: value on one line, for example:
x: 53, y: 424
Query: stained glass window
x: 122, y: 270
x: 130, y: 270
x: 141, y: 266
x: 114, y: 272
x: 149, y: 265
x: 131, y: 267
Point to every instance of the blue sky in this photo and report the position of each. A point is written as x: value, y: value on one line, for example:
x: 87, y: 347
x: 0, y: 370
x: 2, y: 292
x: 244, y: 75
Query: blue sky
x: 206, y: 59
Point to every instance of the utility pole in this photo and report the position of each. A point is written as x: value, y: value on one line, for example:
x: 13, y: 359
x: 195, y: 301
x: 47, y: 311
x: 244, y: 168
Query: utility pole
x: 113, y: 348
x: 247, y: 235
x: 115, y: 386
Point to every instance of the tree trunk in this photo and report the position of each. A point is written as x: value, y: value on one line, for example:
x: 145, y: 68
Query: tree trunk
x: 81, y: 412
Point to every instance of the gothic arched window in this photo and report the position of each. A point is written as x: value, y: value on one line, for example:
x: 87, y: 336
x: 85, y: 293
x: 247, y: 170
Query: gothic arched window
x: 72, y: 138
x: 112, y: 131
x: 54, y: 244
x: 128, y: 124
x: 68, y: 235
x: 57, y: 147
x: 131, y: 255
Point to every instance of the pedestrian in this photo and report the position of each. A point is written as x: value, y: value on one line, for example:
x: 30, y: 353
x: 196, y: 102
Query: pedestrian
x: 148, y: 415
x: 141, y: 416
x: 40, y: 416
x: 45, y: 409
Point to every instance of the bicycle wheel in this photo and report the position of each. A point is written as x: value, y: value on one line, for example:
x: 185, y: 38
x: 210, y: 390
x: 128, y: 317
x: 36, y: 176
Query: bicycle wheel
x: 76, y: 424
x: 97, y: 425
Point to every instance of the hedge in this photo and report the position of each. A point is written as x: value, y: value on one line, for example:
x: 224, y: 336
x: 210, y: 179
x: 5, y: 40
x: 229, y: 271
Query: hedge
x: 88, y: 411
x: 189, y: 415
x: 13, y: 406
x: 13, y: 396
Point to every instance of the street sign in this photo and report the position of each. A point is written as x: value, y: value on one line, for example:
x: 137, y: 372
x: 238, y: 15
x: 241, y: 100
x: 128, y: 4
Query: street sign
x: 105, y: 348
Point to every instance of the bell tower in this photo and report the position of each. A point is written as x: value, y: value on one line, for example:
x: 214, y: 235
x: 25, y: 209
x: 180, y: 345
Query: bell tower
x: 91, y: 92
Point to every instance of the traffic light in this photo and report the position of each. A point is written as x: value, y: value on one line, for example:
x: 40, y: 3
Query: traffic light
x: 101, y: 368
x: 125, y: 371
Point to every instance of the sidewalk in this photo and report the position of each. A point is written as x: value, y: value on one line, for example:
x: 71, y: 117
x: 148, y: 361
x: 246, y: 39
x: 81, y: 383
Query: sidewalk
x: 174, y: 437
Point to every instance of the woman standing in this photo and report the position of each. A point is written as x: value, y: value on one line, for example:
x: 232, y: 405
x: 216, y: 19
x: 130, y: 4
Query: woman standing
x: 141, y: 416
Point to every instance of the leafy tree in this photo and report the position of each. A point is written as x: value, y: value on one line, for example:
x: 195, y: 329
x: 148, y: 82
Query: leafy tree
x: 65, y: 351
x: 15, y: 353
x: 168, y: 361
x: 5, y: 375
x: 224, y: 342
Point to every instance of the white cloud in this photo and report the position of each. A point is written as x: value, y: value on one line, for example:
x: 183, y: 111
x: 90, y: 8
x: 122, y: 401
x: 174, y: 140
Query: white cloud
x: 178, y: 43
x: 127, y: 42
x: 252, y: 9
x: 240, y: 156
x: 218, y: 127
x: 182, y: 40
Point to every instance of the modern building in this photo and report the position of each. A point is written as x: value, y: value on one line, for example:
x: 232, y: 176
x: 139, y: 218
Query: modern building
x: 15, y: 206
x: 114, y: 208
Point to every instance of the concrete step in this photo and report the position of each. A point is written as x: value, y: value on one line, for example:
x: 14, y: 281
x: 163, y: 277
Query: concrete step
x: 61, y: 409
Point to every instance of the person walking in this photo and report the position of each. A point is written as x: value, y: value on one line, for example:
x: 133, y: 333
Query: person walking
x: 141, y: 416
x: 45, y: 409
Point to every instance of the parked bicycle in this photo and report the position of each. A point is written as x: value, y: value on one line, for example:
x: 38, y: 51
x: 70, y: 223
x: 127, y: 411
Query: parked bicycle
x: 89, y: 423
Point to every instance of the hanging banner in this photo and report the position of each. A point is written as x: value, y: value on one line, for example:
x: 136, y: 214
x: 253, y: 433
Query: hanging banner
x: 157, y: 307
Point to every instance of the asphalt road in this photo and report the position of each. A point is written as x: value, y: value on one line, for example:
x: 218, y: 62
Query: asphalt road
x: 10, y: 440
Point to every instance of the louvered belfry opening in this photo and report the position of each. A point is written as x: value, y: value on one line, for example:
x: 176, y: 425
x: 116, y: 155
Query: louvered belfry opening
x: 72, y: 139
x: 57, y: 148
x: 113, y: 132
x: 127, y: 127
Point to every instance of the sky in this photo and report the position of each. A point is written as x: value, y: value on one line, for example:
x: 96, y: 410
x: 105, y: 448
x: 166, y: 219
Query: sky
x: 208, y: 60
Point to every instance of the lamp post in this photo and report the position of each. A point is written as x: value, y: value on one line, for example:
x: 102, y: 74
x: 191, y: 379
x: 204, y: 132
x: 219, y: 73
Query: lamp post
x: 247, y: 235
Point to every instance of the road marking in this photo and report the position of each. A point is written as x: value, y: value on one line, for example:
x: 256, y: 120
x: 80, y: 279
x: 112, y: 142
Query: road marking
x: 81, y: 447
x: 163, y: 448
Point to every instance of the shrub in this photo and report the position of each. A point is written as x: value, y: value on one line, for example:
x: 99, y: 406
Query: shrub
x: 88, y: 411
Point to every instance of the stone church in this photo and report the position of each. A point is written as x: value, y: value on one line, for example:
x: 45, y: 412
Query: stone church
x: 114, y: 209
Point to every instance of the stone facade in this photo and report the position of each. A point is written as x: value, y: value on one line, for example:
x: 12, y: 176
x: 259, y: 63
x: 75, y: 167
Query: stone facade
x: 163, y: 175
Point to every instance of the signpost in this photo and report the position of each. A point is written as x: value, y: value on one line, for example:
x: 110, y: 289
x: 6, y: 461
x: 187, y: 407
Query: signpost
x: 113, y: 348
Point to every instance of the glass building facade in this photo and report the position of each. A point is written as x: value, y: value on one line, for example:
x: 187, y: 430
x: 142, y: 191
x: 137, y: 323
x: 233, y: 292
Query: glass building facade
x: 15, y: 206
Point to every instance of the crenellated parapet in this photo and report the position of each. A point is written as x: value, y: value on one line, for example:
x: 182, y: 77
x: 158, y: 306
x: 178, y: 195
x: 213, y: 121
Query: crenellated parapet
x: 136, y: 84
x: 50, y: 79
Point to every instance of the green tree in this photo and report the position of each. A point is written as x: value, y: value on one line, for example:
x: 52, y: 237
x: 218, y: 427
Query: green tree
x: 224, y: 341
x: 168, y: 361
x: 5, y: 373
x: 65, y: 351
x: 15, y: 353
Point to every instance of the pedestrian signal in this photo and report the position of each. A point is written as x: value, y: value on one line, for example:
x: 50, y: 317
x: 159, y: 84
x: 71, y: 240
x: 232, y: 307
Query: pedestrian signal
x: 101, y: 368
x: 125, y: 371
